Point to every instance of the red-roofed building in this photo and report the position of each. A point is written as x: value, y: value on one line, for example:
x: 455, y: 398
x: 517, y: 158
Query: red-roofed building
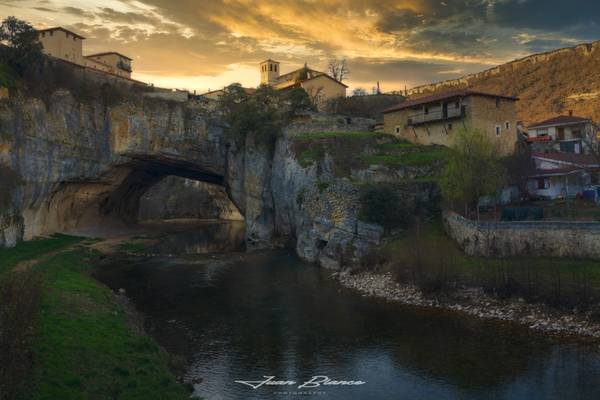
x: 434, y: 119
x: 565, y: 133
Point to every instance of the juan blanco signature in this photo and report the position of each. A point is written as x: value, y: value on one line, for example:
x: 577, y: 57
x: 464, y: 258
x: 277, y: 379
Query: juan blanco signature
x: 315, y: 381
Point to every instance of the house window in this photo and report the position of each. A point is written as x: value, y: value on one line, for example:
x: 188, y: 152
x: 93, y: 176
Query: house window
x: 275, y: 68
x: 542, y: 183
x: 507, y: 125
x: 498, y: 130
x: 398, y: 130
x: 426, y: 110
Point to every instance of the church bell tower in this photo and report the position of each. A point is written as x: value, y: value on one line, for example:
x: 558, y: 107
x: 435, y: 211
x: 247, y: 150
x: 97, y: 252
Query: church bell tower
x: 269, y: 72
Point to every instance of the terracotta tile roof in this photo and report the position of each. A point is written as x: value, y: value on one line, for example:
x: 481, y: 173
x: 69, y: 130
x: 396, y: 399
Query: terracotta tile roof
x: 552, y: 172
x: 560, y: 120
x: 106, y: 53
x: 444, y: 96
x: 580, y: 160
x: 60, y: 28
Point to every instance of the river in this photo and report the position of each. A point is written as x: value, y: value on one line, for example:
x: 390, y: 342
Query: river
x: 237, y: 316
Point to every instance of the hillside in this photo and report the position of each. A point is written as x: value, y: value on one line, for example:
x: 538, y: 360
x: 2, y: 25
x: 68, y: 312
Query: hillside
x: 547, y: 83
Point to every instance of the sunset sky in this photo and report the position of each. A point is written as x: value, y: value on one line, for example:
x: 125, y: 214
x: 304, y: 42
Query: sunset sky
x: 202, y: 44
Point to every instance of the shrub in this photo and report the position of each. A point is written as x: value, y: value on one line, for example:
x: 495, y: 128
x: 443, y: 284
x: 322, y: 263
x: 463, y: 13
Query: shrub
x: 381, y: 204
x: 398, y: 205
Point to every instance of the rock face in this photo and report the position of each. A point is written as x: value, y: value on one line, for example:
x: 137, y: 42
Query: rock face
x: 81, y: 167
x: 175, y: 198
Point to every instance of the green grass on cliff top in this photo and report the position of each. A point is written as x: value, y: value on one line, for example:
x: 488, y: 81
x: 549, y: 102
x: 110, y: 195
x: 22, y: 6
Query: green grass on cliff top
x: 354, y: 150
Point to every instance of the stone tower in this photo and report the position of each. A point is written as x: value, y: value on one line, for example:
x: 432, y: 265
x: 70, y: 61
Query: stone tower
x: 269, y: 72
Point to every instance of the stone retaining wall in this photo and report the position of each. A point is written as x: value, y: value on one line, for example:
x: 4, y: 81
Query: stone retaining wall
x: 531, y: 238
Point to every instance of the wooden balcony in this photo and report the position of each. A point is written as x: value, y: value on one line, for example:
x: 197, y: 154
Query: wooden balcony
x: 436, y: 116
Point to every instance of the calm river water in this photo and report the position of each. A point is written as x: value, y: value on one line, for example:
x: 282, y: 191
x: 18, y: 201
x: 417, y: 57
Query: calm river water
x: 236, y: 316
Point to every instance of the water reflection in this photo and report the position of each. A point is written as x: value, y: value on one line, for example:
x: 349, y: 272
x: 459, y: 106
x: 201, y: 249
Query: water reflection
x: 202, y: 239
x: 238, y: 316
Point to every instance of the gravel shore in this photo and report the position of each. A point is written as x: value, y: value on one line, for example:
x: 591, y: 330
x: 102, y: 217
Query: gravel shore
x: 473, y: 301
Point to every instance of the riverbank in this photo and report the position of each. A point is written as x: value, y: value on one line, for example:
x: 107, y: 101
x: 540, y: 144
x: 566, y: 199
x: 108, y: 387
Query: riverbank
x: 474, y: 302
x: 83, y: 342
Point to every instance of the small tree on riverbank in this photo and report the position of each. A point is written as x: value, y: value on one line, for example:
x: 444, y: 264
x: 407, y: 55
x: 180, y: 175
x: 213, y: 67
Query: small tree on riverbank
x: 473, y: 170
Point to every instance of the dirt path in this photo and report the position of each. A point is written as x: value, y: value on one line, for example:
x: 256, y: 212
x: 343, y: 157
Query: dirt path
x: 26, y: 264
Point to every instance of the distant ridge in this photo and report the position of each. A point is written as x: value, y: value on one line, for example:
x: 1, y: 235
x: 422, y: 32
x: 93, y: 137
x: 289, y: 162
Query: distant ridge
x: 548, y: 84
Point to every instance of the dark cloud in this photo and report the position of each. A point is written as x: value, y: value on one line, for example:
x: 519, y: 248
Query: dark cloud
x: 380, y: 37
x: 78, y: 12
x: 44, y: 9
x: 448, y: 42
x: 413, y: 72
x: 549, y: 15
x: 543, y: 45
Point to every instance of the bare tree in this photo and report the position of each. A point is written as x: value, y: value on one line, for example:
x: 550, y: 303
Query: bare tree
x: 315, y: 95
x: 338, y: 69
x: 359, y: 92
x: 589, y: 138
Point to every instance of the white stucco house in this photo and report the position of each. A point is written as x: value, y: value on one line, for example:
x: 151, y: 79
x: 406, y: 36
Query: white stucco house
x: 562, y: 175
x: 565, y: 133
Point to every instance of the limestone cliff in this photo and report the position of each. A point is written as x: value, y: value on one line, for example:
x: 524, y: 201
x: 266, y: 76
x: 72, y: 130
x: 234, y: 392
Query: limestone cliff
x: 84, y: 167
x: 547, y: 84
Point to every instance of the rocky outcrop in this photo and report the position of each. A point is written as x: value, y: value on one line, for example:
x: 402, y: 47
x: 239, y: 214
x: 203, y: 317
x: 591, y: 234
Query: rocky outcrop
x: 320, y: 211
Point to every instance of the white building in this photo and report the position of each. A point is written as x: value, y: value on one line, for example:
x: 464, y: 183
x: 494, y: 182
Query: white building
x: 564, y: 133
x: 561, y: 175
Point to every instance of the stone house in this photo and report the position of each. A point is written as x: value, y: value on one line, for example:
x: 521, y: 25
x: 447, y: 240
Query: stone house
x: 561, y: 175
x: 319, y: 86
x: 68, y: 46
x: 112, y: 62
x: 433, y: 119
x: 63, y: 44
x: 565, y: 133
